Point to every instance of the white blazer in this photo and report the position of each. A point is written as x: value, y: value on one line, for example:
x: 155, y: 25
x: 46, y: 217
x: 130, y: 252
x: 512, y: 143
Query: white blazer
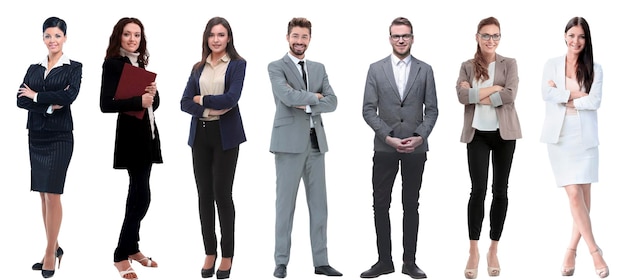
x: 555, y: 99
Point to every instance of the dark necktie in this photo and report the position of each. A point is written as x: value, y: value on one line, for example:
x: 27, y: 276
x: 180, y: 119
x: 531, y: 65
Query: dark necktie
x: 303, y: 74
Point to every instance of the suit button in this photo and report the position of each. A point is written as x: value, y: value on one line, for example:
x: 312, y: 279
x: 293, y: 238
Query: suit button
x: 402, y: 120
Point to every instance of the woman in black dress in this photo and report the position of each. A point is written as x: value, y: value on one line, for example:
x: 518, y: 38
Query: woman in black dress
x: 48, y: 90
x: 137, y: 144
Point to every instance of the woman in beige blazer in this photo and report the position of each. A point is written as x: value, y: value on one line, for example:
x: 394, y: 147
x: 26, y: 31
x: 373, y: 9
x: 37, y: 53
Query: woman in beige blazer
x: 487, y: 87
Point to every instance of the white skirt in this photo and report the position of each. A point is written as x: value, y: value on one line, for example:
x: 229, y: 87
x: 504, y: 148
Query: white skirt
x: 571, y: 163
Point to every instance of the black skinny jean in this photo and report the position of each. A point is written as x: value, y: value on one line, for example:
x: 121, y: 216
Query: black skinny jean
x: 137, y: 204
x: 214, y: 171
x: 488, y: 144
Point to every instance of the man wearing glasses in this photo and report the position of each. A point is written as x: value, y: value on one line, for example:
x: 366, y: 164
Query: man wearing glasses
x: 400, y: 105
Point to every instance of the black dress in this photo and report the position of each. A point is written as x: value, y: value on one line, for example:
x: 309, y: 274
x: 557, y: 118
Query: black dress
x: 50, y: 137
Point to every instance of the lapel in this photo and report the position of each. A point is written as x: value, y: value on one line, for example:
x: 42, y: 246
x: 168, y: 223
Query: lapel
x: 293, y: 74
x: 388, y: 71
x: 559, y: 80
x: 410, y: 82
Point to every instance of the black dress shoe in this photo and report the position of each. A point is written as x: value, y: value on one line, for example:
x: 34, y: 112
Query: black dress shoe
x: 327, y: 270
x: 413, y: 270
x: 378, y: 269
x: 280, y: 271
x: 222, y: 274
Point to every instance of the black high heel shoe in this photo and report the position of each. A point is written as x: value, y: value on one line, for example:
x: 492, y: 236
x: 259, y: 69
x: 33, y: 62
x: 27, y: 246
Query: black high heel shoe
x: 58, y: 254
x: 49, y: 273
x: 224, y: 274
x: 208, y: 273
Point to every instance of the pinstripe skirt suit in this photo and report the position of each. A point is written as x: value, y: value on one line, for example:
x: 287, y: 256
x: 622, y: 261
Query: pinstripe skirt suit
x: 50, y: 137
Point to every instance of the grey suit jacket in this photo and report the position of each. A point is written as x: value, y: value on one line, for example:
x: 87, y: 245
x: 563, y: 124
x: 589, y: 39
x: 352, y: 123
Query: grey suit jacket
x: 290, y: 133
x: 504, y: 101
x: 386, y: 113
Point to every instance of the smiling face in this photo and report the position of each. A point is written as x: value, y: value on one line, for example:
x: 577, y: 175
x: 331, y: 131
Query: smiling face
x: 575, y: 39
x: 298, y: 39
x: 401, y: 39
x: 218, y: 40
x: 488, y: 47
x: 131, y: 37
x: 54, y: 39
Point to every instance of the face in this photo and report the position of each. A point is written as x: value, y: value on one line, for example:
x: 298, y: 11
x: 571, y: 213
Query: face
x: 131, y: 37
x: 218, y: 39
x: 298, y: 39
x: 54, y: 39
x: 575, y: 39
x: 401, y: 40
x: 488, y: 38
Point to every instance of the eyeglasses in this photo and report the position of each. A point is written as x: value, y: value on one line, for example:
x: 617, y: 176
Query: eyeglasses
x: 397, y: 37
x: 486, y: 37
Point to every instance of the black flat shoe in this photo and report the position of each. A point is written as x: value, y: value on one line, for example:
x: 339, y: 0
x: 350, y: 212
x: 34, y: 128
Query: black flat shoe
x: 378, y: 269
x: 413, y: 270
x: 327, y: 270
x: 58, y: 254
x: 280, y: 271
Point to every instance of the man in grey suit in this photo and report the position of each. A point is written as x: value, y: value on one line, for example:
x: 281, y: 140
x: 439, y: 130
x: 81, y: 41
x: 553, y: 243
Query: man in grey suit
x: 400, y: 105
x: 301, y: 93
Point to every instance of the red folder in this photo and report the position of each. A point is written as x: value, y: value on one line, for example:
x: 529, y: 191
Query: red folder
x: 133, y: 82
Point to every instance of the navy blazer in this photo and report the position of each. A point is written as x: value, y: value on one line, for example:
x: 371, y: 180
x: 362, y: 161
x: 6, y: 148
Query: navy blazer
x: 231, y: 126
x: 133, y: 137
x: 60, y: 87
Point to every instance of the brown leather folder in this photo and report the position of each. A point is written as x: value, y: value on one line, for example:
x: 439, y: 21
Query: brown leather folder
x: 133, y: 82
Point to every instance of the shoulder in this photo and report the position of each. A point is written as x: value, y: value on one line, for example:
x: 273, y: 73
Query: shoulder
x: 420, y: 62
x: 555, y: 60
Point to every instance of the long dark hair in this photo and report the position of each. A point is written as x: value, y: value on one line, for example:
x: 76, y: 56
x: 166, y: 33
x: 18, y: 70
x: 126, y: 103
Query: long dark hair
x: 480, y: 62
x: 230, y: 46
x: 115, y: 41
x: 584, y: 65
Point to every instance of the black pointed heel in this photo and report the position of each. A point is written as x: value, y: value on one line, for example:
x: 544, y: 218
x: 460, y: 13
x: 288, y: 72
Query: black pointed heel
x: 58, y: 254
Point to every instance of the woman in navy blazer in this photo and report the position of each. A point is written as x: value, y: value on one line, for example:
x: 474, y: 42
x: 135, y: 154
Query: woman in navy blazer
x: 48, y: 90
x: 211, y: 97
x: 572, y: 91
x: 137, y: 143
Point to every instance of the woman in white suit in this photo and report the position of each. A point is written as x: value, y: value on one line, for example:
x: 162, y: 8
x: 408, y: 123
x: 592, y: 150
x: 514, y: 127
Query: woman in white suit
x: 572, y: 91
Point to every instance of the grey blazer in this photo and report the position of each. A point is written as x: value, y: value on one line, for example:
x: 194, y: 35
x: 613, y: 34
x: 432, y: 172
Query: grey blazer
x: 386, y: 113
x: 504, y: 101
x: 290, y: 133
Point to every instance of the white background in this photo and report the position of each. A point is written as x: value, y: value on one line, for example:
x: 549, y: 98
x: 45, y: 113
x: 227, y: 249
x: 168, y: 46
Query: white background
x: 346, y: 38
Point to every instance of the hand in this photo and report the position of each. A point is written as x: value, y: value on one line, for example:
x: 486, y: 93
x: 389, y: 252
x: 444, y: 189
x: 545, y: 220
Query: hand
x: 151, y: 89
x: 319, y: 96
x: 146, y: 100
x: 497, y: 88
x: 56, y: 107
x: 301, y: 107
x: 213, y: 112
x: 570, y: 104
x: 485, y: 101
x: 197, y: 99
x: 465, y: 85
x: 408, y: 145
x: 551, y: 83
x: 26, y: 91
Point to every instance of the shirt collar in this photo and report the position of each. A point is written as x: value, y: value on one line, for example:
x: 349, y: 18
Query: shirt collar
x: 395, y: 59
x: 225, y: 58
x: 63, y: 60
x: 295, y: 59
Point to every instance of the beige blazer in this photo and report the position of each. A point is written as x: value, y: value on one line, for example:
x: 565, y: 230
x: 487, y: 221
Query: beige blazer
x: 504, y: 101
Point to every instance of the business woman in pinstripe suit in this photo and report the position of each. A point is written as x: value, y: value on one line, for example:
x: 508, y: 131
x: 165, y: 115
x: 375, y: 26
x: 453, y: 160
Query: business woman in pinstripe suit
x: 48, y: 90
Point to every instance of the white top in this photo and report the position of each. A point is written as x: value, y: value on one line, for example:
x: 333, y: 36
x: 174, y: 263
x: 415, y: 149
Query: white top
x: 485, y: 118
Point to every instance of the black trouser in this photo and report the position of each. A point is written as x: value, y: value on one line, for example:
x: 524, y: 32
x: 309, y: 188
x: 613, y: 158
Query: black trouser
x: 383, y: 176
x: 137, y: 204
x: 214, y: 170
x: 478, y: 154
